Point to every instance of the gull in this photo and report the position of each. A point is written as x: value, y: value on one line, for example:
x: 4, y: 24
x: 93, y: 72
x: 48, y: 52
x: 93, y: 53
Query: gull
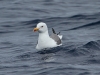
x: 44, y: 40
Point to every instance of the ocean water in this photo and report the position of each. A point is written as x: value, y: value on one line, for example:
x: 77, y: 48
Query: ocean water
x: 77, y: 20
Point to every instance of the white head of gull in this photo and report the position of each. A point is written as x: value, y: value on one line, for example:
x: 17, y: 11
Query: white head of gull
x: 44, y: 40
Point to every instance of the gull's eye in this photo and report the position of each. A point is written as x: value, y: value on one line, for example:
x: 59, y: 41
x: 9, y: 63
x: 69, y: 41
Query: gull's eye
x: 41, y: 26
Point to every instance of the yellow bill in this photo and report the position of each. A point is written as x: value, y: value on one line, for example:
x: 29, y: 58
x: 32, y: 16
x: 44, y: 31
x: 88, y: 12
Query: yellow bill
x: 35, y: 29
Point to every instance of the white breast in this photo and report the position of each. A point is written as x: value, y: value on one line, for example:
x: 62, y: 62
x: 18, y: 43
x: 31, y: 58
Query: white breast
x: 44, y: 41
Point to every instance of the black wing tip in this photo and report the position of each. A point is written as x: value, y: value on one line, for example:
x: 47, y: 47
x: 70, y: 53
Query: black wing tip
x: 53, y: 31
x: 58, y: 33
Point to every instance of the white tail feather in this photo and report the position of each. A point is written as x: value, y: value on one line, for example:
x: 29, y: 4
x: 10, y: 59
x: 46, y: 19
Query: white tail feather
x: 60, y: 36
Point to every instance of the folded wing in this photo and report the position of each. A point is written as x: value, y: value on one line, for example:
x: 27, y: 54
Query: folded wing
x: 55, y: 37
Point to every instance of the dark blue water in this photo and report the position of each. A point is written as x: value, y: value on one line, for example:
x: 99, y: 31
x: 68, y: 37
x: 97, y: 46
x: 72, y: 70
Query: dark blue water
x: 79, y: 23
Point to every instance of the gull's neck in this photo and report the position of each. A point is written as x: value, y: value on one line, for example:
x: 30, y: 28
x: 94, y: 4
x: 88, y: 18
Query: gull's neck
x: 46, y: 34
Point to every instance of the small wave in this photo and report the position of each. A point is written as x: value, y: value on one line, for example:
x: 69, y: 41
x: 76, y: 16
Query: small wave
x: 52, y: 50
x: 85, y: 16
x: 7, y: 26
x: 95, y: 45
x: 86, y: 25
x: 25, y: 55
x: 86, y: 49
x: 78, y: 51
x: 85, y: 73
x: 39, y: 10
x: 32, y: 22
x: 94, y: 61
x: 50, y: 19
x: 79, y: 16
x: 3, y: 32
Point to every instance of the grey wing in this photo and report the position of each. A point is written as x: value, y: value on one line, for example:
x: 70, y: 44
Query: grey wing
x: 55, y: 37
